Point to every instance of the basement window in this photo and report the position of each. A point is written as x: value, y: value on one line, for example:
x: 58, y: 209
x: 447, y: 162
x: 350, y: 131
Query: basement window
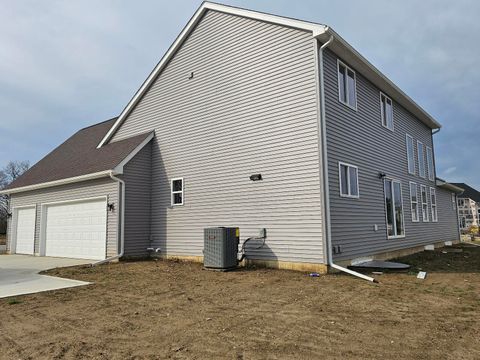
x: 177, y: 191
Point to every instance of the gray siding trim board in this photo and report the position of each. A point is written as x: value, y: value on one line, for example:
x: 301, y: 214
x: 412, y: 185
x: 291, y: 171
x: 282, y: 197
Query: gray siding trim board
x: 70, y: 192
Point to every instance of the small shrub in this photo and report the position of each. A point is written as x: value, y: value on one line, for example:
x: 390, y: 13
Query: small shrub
x: 473, y: 229
x: 14, y: 301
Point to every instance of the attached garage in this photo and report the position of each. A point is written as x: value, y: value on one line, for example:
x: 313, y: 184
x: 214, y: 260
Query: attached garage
x: 71, y: 203
x: 76, y: 229
x: 25, y: 230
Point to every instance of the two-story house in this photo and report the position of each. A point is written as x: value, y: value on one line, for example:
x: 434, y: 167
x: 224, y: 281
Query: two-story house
x: 468, y: 207
x: 250, y: 120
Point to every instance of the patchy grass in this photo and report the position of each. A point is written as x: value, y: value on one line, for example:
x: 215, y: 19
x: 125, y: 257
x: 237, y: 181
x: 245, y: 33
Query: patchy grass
x: 462, y: 258
x: 165, y: 309
x: 13, y: 301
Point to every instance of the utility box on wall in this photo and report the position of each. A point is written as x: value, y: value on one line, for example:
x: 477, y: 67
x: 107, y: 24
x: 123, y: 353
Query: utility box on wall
x: 220, y: 248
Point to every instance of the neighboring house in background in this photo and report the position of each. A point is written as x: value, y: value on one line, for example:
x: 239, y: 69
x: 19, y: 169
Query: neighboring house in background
x: 346, y: 158
x: 468, y: 207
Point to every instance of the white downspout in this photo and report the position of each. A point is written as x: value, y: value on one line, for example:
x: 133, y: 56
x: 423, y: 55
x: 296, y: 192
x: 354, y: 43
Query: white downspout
x: 325, y: 170
x: 121, y: 218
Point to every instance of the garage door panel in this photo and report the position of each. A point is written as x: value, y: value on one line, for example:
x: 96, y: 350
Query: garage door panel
x: 77, y: 230
x: 25, y: 231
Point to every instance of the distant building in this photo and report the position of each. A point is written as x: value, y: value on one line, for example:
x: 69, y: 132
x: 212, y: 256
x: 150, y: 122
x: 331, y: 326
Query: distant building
x: 468, y: 207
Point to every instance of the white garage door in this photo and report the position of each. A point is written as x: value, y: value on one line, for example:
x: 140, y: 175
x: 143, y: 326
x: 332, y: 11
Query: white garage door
x: 25, y: 231
x: 76, y: 230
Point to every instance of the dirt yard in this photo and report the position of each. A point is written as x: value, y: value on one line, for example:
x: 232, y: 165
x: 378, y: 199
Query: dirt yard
x: 165, y: 309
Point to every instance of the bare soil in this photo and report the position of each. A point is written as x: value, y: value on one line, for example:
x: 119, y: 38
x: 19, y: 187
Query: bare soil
x: 3, y: 239
x: 167, y: 309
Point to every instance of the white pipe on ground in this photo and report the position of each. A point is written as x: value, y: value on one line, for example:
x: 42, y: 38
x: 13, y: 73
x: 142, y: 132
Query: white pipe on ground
x: 121, y: 218
x: 323, y: 128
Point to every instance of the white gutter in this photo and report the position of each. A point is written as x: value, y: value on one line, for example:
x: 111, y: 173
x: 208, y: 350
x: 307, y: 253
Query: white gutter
x: 323, y: 128
x: 57, y: 182
x: 121, y: 218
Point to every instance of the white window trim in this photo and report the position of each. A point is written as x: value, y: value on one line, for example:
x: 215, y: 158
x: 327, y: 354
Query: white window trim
x: 434, y: 218
x: 430, y: 167
x: 420, y: 145
x: 339, y: 62
x: 427, y: 219
x: 177, y: 192
x: 348, y: 180
x: 454, y: 201
x: 382, y: 114
x: 408, y: 159
x: 414, y: 184
x: 394, y: 215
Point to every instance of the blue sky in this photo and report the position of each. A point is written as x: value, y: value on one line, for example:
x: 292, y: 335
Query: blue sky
x: 65, y: 65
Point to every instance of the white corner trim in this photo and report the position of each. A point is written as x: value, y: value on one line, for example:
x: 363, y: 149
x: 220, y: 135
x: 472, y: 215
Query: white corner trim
x: 316, y: 29
x: 119, y: 168
x: 70, y: 180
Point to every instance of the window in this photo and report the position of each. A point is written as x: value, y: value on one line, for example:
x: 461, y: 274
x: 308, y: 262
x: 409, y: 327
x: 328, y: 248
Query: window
x: 423, y: 191
x: 454, y: 203
x: 463, y: 223
x: 410, y: 155
x: 387, y: 111
x: 347, y: 92
x: 348, y: 176
x: 421, y: 159
x: 461, y: 202
x: 430, y: 168
x: 433, y: 204
x: 177, y: 191
x: 394, y: 209
x: 414, y: 201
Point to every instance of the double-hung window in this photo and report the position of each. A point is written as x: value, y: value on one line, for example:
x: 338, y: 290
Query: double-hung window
x: 394, y: 208
x: 386, y: 111
x: 433, y: 204
x: 348, y: 177
x: 423, y: 193
x: 414, y: 201
x: 430, y: 167
x: 421, y: 160
x: 347, y: 92
x: 410, y: 155
x: 177, y: 192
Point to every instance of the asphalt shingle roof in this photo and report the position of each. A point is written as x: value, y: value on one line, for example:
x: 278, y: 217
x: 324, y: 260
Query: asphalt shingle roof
x: 469, y: 192
x: 79, y: 155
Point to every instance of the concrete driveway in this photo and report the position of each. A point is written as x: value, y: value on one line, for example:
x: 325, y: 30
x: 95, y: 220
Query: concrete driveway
x: 19, y: 274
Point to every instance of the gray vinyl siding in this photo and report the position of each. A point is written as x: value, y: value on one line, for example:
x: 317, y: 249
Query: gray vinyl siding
x: 75, y: 191
x: 250, y: 108
x: 358, y: 138
x: 137, y: 176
